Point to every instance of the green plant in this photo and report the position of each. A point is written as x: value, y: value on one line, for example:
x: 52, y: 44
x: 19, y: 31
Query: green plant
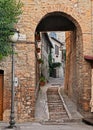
x: 10, y: 11
x: 42, y: 79
x: 56, y: 64
x: 50, y: 63
x: 40, y: 61
x: 50, y: 59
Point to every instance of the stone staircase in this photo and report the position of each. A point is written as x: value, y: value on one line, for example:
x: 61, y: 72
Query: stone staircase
x: 57, y: 111
x: 54, y: 106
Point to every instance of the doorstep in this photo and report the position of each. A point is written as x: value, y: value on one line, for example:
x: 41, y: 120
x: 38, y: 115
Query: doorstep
x: 88, y: 121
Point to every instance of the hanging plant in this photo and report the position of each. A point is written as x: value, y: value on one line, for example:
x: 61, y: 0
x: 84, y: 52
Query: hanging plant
x: 10, y: 11
x: 37, y: 36
x: 40, y: 61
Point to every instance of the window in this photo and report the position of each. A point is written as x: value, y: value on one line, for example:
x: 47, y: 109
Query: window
x: 56, y: 50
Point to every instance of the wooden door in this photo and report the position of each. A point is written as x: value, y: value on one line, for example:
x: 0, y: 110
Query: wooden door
x: 1, y: 96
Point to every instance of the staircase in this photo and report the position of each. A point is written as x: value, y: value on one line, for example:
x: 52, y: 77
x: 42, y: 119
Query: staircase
x: 53, y: 105
x: 57, y: 111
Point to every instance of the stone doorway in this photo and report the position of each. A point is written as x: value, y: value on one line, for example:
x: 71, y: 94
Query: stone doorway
x: 1, y: 94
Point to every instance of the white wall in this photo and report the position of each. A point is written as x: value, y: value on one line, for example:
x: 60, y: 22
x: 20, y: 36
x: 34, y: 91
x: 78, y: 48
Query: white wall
x: 58, y: 58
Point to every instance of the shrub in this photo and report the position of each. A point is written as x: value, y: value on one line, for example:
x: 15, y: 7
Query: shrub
x: 10, y: 11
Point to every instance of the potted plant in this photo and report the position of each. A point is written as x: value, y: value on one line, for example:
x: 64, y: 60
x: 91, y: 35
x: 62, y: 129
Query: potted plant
x: 37, y: 36
x: 40, y: 61
x: 42, y: 81
x: 37, y: 50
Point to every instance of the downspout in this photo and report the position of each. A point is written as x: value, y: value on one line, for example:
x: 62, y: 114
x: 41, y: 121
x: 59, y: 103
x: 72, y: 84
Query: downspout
x: 91, y: 101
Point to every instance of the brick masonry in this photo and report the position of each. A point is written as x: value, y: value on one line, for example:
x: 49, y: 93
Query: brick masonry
x: 80, y: 12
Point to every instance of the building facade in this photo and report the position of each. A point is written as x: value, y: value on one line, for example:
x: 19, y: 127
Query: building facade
x: 58, y: 41
x: 40, y: 16
x: 46, y: 50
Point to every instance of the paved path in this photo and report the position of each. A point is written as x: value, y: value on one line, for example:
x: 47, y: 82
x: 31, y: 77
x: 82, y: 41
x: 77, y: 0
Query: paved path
x: 38, y: 126
x: 70, y: 126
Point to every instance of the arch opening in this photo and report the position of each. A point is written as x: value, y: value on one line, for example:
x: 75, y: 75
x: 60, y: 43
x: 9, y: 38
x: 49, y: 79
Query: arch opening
x: 59, y: 22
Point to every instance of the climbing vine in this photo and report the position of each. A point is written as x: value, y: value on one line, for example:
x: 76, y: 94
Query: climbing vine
x: 52, y: 65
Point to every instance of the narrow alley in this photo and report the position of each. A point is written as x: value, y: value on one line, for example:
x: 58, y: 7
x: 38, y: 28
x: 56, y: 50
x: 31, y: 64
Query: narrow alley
x: 53, y: 106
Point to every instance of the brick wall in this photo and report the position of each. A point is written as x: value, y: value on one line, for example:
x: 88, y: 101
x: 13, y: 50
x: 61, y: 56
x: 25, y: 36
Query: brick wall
x: 71, y: 66
x: 77, y: 75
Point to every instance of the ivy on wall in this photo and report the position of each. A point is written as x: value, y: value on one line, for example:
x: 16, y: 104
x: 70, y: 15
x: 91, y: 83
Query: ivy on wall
x: 10, y: 11
x: 52, y: 65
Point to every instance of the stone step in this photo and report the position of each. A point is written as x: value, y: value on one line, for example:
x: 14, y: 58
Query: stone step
x: 55, y: 102
x: 54, y: 96
x: 56, y: 108
x: 55, y: 105
x: 58, y: 116
x: 59, y: 121
x: 60, y: 112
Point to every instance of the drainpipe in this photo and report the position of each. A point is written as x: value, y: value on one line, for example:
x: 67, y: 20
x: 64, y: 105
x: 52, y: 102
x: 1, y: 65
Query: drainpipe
x: 91, y: 101
x: 90, y: 59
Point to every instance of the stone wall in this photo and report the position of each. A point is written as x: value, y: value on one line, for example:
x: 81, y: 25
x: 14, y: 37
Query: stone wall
x: 77, y: 11
x: 80, y: 13
x: 77, y: 75
x: 25, y: 71
x: 71, y: 66
x: 25, y: 91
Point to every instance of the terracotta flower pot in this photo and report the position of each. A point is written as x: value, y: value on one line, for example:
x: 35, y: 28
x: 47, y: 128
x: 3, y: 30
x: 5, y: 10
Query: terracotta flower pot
x: 37, y: 50
x: 40, y: 61
x: 42, y: 83
x: 37, y: 37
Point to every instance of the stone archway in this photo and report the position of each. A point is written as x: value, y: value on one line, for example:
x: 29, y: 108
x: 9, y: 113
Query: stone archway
x: 59, y: 21
x: 74, y: 77
x: 56, y: 21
